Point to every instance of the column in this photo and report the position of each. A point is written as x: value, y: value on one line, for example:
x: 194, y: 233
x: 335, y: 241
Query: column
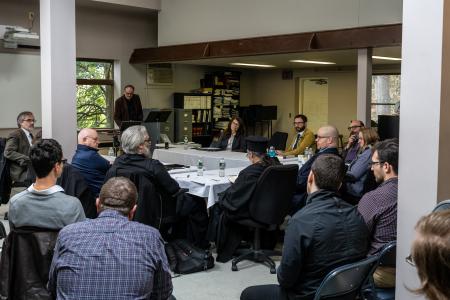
x: 58, y: 82
x: 364, y: 89
x: 424, y: 166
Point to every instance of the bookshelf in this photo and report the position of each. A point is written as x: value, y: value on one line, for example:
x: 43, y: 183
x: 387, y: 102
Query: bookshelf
x: 225, y: 97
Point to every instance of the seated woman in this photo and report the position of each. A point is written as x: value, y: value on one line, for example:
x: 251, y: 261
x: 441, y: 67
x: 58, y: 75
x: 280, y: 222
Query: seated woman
x: 232, y: 138
x: 233, y: 202
x: 358, y: 171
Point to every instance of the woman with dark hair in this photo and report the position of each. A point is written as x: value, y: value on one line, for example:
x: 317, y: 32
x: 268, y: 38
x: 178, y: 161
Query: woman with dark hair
x: 233, y: 138
x: 359, y: 168
x: 430, y: 254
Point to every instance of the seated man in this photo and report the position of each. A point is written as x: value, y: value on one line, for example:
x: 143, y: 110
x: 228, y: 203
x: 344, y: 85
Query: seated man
x: 379, y: 207
x: 137, y: 160
x: 86, y: 159
x: 44, y: 204
x: 302, y: 139
x: 111, y: 257
x: 350, y: 151
x: 233, y: 203
x: 328, y: 232
x: 18, y: 147
x: 327, y: 143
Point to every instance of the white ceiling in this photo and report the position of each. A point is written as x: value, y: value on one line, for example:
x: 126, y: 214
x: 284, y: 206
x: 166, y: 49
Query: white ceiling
x: 282, y: 61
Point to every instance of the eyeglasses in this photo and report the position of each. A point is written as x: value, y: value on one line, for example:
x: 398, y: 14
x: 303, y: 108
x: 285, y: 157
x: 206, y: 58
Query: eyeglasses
x: 375, y: 162
x: 147, y: 141
x: 410, y: 260
x: 298, y: 123
x: 63, y: 161
x: 29, y: 120
x: 354, y: 127
x: 94, y: 138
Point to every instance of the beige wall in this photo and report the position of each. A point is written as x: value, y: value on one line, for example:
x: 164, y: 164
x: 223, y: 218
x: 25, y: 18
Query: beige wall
x: 190, y: 21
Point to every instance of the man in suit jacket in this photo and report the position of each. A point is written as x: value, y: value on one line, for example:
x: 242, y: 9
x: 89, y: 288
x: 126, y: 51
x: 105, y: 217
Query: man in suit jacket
x: 18, y: 146
x: 128, y: 107
x: 327, y: 142
x: 302, y: 139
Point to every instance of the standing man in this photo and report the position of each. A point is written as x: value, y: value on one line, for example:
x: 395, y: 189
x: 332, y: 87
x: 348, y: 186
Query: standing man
x: 128, y: 107
x: 379, y: 207
x: 302, y: 139
x: 351, y: 149
x: 328, y: 232
x: 111, y: 257
x: 18, y: 146
x: 86, y: 159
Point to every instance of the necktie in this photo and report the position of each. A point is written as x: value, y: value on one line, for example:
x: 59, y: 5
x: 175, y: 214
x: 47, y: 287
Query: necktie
x: 31, y: 138
x: 296, y: 141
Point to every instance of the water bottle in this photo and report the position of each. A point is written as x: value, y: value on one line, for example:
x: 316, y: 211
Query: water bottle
x: 111, y: 151
x: 272, y: 152
x: 185, y: 141
x: 200, y: 167
x: 222, y: 167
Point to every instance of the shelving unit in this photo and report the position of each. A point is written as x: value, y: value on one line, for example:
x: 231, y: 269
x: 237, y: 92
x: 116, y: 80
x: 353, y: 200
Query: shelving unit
x: 225, y: 97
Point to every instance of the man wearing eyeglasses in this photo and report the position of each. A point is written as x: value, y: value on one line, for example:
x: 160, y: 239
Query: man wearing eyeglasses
x: 350, y: 150
x: 302, y: 139
x: 379, y: 207
x: 86, y: 159
x: 17, y: 149
x: 327, y: 142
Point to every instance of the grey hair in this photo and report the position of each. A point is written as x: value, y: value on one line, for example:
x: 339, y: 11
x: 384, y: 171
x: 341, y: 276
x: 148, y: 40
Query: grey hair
x: 22, y: 116
x: 132, y: 138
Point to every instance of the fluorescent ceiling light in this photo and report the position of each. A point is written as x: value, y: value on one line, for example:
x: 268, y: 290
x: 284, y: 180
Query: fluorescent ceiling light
x: 253, y: 65
x: 386, y: 58
x: 316, y: 62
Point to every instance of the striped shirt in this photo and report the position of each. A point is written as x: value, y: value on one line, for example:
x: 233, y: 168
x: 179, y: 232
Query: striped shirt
x: 379, y: 210
x: 109, y: 258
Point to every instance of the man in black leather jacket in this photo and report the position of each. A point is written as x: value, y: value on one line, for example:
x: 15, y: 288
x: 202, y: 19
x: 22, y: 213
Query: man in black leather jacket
x: 327, y: 233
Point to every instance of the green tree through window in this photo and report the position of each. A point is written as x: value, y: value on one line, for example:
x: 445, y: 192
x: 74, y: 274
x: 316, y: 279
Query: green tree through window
x: 95, y: 89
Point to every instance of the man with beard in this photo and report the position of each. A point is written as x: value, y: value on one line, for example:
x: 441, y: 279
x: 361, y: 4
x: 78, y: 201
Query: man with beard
x: 379, y: 207
x: 128, y: 107
x: 158, y: 192
x: 351, y: 150
x: 302, y: 139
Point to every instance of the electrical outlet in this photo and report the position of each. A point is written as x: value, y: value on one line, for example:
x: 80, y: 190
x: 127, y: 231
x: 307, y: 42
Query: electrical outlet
x: 31, y: 15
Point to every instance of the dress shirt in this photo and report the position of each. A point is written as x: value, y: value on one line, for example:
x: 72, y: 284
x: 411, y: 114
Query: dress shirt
x: 29, y: 136
x: 109, y: 258
x: 379, y: 210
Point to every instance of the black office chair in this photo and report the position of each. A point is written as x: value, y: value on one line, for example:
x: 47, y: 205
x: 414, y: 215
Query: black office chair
x: 386, y: 258
x: 345, y: 282
x: 278, y: 140
x: 25, y: 263
x: 268, y: 207
x: 443, y: 205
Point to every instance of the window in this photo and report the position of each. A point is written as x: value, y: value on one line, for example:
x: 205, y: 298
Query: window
x: 95, y: 93
x: 385, y: 95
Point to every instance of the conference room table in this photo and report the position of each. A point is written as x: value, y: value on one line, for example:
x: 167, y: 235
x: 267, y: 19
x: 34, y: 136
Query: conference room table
x: 190, y: 157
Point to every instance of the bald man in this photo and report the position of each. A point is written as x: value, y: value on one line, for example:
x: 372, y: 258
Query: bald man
x: 327, y: 143
x: 91, y: 165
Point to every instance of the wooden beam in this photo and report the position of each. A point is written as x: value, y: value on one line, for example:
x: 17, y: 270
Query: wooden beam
x: 352, y: 38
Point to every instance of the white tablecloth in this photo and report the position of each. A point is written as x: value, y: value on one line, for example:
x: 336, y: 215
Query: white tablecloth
x: 207, y: 186
x: 211, y: 160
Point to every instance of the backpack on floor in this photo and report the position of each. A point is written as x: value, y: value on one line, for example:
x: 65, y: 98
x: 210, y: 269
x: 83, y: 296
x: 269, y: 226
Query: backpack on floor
x: 185, y: 258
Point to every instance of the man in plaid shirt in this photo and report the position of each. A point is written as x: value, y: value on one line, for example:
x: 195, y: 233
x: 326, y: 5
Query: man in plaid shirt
x: 379, y: 207
x: 111, y: 257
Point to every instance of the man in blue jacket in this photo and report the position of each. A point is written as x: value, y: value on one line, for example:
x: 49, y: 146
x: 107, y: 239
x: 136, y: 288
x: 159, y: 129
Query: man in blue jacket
x: 327, y: 143
x: 91, y: 165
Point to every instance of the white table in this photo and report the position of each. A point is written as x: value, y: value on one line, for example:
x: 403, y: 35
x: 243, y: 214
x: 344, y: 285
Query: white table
x: 211, y: 160
x: 207, y: 186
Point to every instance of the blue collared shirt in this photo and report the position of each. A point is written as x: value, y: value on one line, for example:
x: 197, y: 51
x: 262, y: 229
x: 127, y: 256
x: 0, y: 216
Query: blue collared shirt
x: 110, y: 258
